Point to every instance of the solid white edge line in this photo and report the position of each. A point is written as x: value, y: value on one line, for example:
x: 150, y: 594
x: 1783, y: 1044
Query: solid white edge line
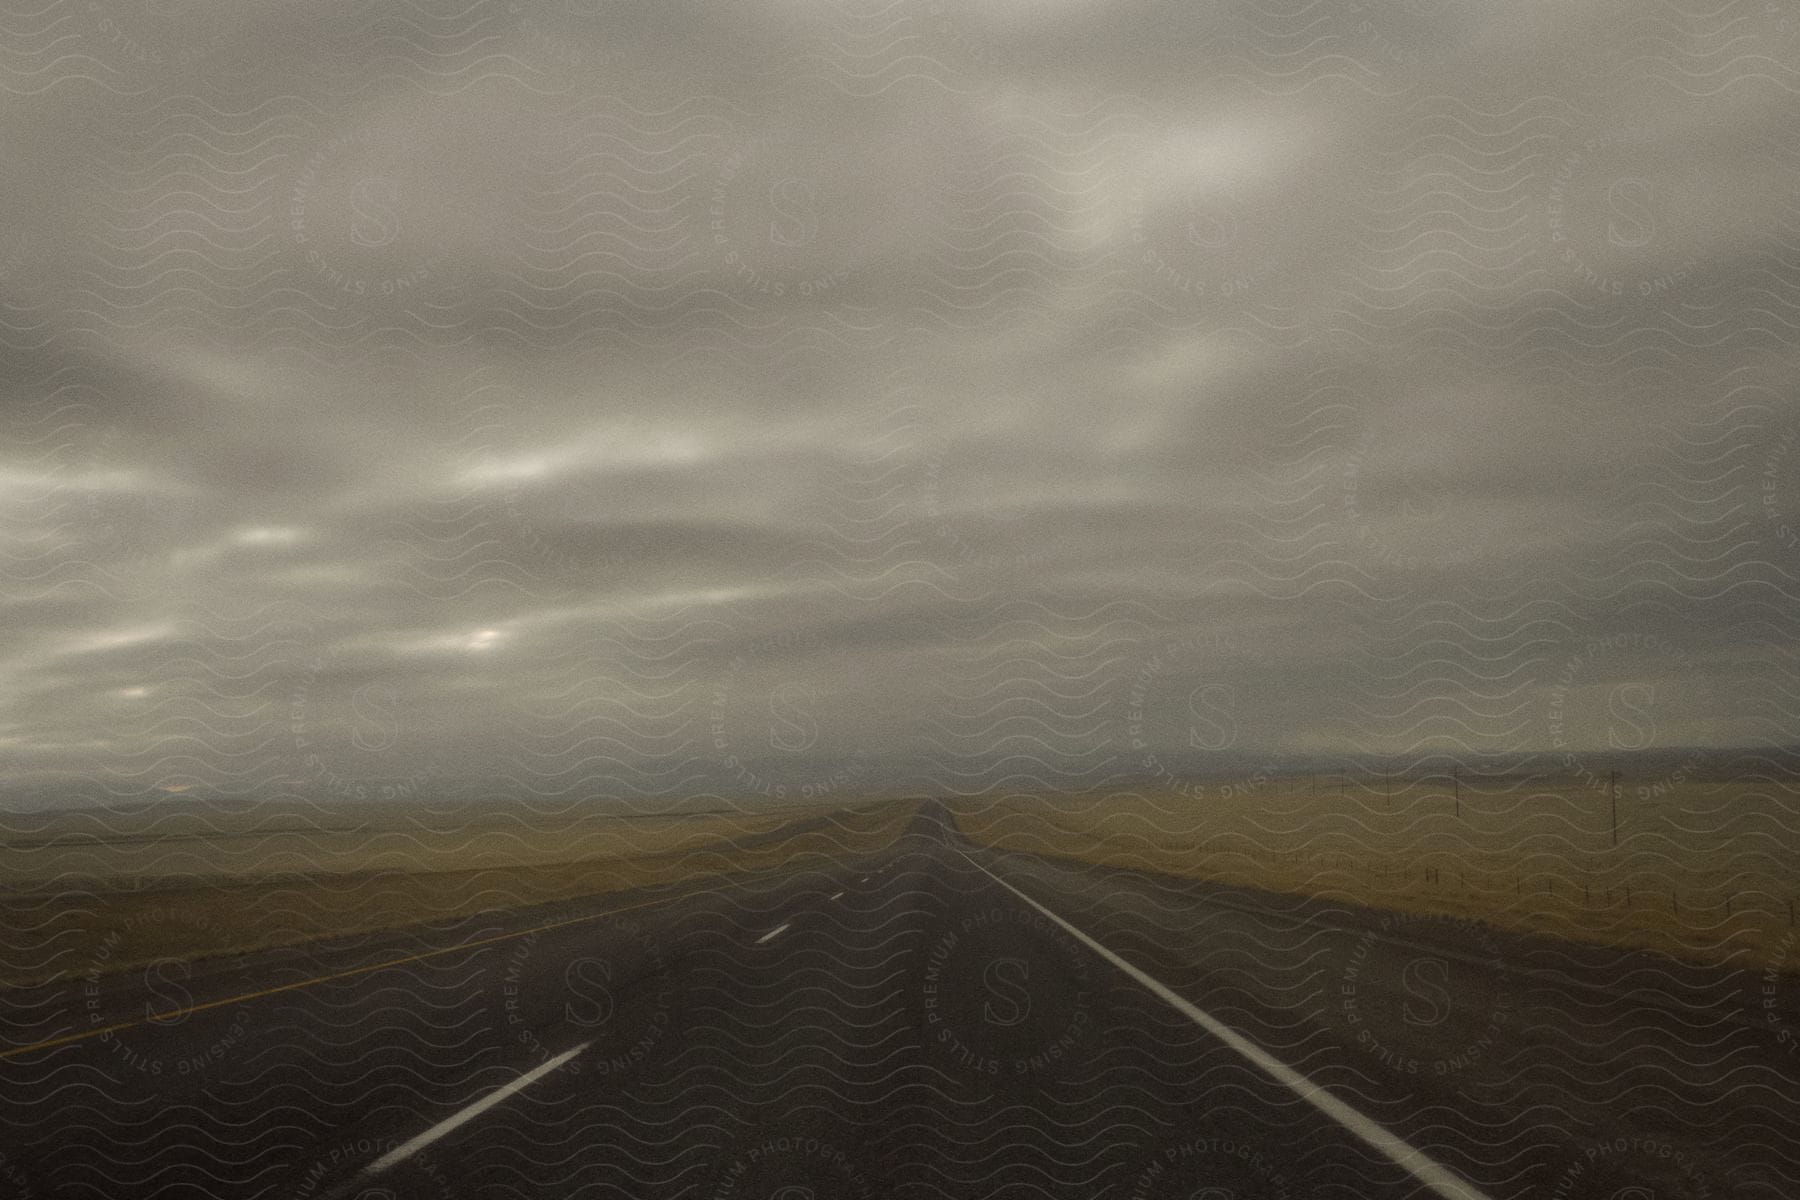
x: 408, y: 1149
x: 1439, y: 1178
x: 765, y: 937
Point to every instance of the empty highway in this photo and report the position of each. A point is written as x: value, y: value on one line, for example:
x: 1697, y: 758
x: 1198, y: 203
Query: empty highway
x: 935, y: 1020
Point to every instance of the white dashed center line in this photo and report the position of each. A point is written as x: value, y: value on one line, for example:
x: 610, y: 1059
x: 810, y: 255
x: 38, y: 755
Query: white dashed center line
x: 406, y: 1150
x: 838, y: 894
x: 773, y: 932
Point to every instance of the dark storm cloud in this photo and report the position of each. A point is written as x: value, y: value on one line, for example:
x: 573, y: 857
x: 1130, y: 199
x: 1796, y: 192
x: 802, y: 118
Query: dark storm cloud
x: 582, y: 402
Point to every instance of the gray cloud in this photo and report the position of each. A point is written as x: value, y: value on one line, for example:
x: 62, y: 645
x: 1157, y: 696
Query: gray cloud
x: 687, y: 399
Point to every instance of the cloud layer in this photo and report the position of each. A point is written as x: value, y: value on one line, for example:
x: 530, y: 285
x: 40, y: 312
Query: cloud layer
x: 648, y: 402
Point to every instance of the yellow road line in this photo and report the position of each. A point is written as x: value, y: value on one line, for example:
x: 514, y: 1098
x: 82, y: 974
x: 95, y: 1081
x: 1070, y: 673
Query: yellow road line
x: 173, y: 1013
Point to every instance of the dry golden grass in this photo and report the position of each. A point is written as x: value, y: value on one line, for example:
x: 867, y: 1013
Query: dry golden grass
x: 81, y: 933
x: 1703, y: 870
x: 142, y: 849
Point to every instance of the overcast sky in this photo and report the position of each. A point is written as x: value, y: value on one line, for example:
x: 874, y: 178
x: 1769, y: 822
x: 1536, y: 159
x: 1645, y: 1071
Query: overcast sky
x: 658, y: 400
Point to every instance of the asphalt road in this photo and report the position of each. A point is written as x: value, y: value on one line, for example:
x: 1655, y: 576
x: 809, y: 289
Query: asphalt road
x: 930, y: 1021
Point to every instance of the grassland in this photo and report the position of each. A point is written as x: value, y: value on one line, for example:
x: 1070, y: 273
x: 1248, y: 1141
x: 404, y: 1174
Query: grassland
x: 152, y: 846
x: 74, y: 924
x: 1708, y: 871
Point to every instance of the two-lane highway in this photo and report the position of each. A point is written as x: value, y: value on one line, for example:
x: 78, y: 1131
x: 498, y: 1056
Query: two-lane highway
x: 933, y: 1020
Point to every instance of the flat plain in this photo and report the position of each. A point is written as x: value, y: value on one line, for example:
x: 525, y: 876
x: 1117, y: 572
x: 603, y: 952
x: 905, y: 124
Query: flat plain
x: 1703, y: 869
x: 86, y: 897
